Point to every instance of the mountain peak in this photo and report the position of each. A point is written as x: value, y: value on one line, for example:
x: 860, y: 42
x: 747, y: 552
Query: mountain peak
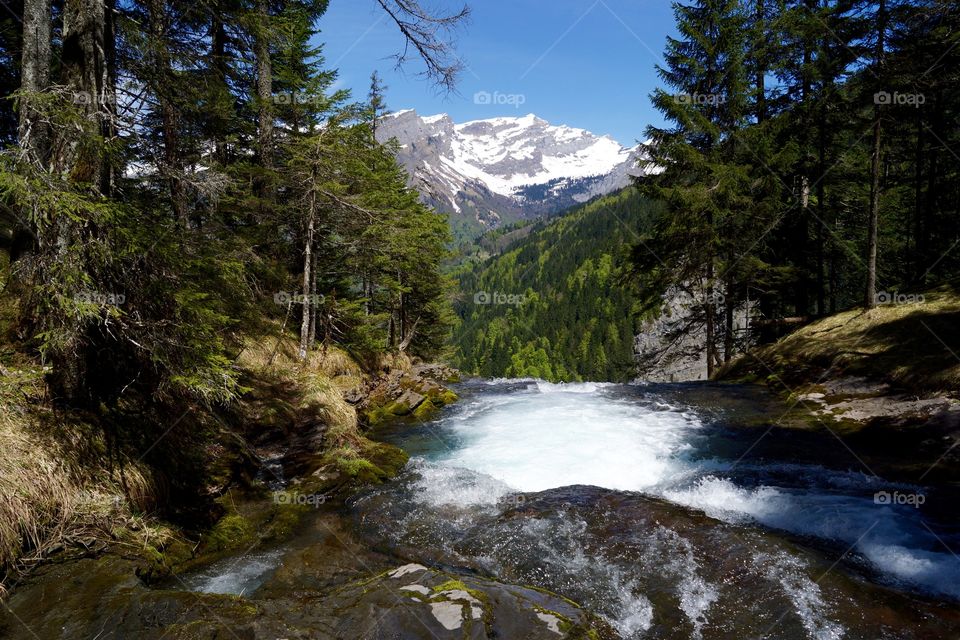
x: 506, y: 167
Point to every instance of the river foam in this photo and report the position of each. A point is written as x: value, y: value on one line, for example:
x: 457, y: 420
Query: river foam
x: 559, y: 435
x: 533, y: 436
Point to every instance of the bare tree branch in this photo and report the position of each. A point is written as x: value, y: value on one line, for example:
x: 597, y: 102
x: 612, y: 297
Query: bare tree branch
x: 430, y: 34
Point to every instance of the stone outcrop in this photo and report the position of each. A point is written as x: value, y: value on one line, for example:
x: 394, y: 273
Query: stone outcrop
x: 416, y: 392
x: 672, y: 346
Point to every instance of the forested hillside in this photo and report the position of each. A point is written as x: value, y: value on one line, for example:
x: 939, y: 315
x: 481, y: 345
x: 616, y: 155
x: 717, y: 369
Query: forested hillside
x: 553, y: 304
x: 810, y: 160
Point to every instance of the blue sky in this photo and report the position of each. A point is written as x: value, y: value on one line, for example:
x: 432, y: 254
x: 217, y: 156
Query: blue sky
x: 584, y: 63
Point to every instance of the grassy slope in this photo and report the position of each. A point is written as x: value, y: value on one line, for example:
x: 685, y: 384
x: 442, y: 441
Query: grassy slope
x: 63, y: 490
x: 913, y: 347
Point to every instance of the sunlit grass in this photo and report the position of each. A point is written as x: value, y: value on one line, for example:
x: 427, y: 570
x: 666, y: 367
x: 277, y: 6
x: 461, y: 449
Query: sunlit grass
x: 914, y: 346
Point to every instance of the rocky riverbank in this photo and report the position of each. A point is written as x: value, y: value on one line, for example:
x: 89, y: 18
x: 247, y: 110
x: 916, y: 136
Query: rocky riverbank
x: 302, y: 452
x: 66, y: 491
x: 885, y: 375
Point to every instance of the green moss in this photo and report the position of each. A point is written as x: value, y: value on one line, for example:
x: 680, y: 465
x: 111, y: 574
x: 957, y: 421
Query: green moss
x: 160, y: 562
x: 285, y: 520
x: 378, y: 416
x: 441, y: 397
x: 425, y: 410
x: 458, y: 585
x: 231, y: 532
x: 389, y: 458
x: 359, y: 468
x: 451, y: 585
x: 369, y: 463
x: 564, y: 622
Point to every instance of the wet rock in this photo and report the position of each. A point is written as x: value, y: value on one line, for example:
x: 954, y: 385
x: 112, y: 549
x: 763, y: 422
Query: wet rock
x: 552, y: 621
x: 448, y: 614
x: 354, y: 396
x: 327, y: 586
x: 426, y: 603
x: 407, y: 402
x: 655, y: 569
x: 400, y: 572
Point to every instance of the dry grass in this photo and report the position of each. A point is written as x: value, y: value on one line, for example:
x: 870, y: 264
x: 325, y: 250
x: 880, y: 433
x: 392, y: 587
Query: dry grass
x: 320, y: 380
x: 318, y: 384
x: 275, y: 357
x: 913, y: 346
x: 56, y: 491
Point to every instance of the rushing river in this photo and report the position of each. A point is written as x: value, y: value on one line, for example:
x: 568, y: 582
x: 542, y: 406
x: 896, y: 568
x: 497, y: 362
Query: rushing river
x: 673, y: 511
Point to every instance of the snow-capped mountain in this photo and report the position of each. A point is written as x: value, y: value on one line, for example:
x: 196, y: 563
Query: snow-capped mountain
x: 502, y: 169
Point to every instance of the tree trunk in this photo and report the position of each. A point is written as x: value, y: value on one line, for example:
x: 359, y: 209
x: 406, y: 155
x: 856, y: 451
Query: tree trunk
x: 710, y: 321
x: 88, y: 73
x: 169, y: 115
x: 834, y: 276
x: 933, y: 188
x: 108, y: 124
x: 86, y: 76
x: 264, y: 84
x: 308, y: 270
x: 802, y: 293
x: 34, y: 77
x: 761, y: 115
x: 821, y: 212
x: 728, y: 308
x: 218, y: 53
x: 401, y: 310
x: 314, y: 307
x: 918, y: 198
x: 870, y: 293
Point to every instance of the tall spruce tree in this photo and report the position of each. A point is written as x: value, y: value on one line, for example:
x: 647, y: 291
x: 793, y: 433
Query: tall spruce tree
x: 703, y: 187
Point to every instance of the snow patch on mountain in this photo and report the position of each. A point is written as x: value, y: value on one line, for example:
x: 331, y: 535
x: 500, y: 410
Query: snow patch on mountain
x: 507, y: 167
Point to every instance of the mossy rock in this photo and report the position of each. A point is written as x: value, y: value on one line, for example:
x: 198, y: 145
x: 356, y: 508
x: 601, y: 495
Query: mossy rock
x: 371, y: 463
x: 425, y: 411
x: 160, y: 562
x: 441, y: 397
x: 233, y: 531
x: 377, y: 416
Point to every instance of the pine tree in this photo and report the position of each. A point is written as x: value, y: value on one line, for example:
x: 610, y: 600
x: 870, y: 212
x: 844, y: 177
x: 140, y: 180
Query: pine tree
x: 705, y: 190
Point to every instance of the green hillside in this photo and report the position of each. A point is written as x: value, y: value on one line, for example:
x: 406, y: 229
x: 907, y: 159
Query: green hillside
x: 553, y: 304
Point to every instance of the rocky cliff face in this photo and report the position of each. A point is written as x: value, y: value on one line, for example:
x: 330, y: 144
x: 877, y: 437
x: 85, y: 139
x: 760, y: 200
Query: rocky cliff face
x: 488, y: 172
x: 672, y: 347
